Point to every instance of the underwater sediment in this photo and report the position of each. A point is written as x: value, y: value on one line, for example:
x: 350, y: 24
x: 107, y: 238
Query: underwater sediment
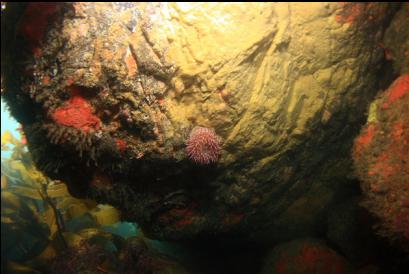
x: 109, y: 93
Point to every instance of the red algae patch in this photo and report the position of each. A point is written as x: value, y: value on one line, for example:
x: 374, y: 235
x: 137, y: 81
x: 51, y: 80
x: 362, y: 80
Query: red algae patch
x: 397, y: 90
x: 35, y: 21
x: 305, y: 257
x: 381, y: 161
x: 365, y: 138
x: 77, y: 113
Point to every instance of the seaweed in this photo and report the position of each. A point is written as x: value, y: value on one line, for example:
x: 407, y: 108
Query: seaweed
x: 35, y: 211
x: 46, y: 230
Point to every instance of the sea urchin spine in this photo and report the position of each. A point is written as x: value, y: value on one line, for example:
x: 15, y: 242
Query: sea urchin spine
x: 203, y: 146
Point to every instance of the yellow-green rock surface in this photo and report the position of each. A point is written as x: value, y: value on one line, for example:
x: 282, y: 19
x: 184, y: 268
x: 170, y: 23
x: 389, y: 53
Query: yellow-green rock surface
x: 118, y: 87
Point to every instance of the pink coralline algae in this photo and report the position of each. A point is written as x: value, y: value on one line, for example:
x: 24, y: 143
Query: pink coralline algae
x: 203, y: 146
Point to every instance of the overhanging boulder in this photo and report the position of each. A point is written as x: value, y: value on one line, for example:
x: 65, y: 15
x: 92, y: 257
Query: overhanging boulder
x: 109, y: 93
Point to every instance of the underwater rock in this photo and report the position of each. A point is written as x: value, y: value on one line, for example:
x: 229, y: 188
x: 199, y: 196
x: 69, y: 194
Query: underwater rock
x: 137, y: 257
x: 305, y: 256
x: 350, y: 230
x: 108, y: 94
x: 396, y: 41
x: 382, y: 161
x: 85, y: 257
x: 133, y: 257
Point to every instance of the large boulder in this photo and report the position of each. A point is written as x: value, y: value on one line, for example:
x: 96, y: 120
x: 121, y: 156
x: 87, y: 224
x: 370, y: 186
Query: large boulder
x: 305, y: 256
x: 267, y: 97
x: 381, y: 150
x: 350, y: 230
x: 382, y: 161
x: 396, y: 41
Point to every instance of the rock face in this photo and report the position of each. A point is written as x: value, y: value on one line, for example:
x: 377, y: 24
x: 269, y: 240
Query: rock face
x: 382, y: 160
x: 108, y: 94
x: 381, y: 150
x: 350, y: 231
x: 396, y: 41
x: 305, y: 256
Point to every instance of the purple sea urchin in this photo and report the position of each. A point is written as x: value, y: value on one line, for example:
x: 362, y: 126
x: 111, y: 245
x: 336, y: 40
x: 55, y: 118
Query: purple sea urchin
x: 203, y: 146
